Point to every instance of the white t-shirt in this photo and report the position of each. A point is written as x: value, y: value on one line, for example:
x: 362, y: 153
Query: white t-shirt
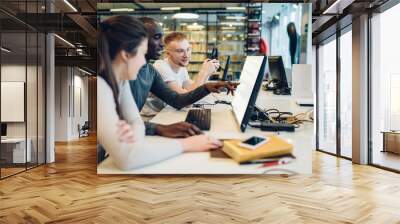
x: 168, y: 75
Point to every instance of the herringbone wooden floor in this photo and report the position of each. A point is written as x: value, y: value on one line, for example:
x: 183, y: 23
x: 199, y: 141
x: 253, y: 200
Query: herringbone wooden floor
x: 70, y: 191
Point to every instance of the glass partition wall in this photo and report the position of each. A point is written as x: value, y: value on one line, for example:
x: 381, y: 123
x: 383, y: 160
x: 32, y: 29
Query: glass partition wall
x: 327, y: 96
x: 22, y: 77
x: 334, y: 94
x: 385, y: 90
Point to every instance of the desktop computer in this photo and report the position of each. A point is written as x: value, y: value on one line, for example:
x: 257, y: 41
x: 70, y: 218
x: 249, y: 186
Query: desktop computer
x: 214, y: 53
x: 245, y: 95
x: 277, y: 76
x: 243, y: 103
x: 226, y: 69
x: 216, y: 77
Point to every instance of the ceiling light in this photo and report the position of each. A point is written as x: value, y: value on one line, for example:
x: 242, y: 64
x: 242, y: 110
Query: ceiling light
x: 165, y: 17
x: 185, y: 16
x: 65, y: 41
x: 236, y: 8
x: 228, y: 28
x: 170, y: 8
x: 84, y: 71
x: 122, y: 10
x: 195, y: 26
x: 70, y: 5
x: 5, y: 50
x: 233, y: 23
x: 236, y: 17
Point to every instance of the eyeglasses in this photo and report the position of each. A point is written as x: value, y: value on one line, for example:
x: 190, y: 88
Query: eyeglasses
x: 182, y: 51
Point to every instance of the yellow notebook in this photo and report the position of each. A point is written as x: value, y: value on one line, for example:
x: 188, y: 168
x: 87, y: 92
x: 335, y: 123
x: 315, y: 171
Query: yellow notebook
x: 274, y: 147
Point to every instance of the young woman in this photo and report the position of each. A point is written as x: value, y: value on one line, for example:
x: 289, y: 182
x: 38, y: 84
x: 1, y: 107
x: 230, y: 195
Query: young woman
x: 122, y: 45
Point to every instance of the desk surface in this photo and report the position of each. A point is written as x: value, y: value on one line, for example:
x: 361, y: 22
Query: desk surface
x: 224, y: 125
x: 13, y: 140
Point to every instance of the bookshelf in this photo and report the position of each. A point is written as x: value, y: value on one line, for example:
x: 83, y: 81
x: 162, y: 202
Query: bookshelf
x: 254, y: 11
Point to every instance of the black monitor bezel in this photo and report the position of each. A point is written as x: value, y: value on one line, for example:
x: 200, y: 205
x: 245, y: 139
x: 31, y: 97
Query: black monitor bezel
x: 226, y: 69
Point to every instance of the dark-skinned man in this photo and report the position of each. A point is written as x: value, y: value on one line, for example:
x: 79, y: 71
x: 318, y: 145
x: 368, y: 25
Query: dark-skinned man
x: 149, y: 80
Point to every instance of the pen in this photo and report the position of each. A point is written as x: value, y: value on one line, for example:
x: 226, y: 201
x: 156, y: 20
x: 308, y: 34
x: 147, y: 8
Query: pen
x: 268, y: 164
x: 258, y: 162
x: 274, y: 163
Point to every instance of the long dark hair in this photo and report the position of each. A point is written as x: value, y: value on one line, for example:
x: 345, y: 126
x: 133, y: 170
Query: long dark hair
x: 115, y: 34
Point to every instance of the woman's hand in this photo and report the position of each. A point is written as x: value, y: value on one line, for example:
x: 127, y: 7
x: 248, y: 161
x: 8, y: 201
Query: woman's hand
x: 200, y: 143
x: 125, y: 132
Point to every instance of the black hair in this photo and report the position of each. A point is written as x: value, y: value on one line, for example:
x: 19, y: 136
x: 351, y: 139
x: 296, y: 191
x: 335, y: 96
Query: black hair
x: 117, y: 33
x: 147, y: 20
x: 291, y: 30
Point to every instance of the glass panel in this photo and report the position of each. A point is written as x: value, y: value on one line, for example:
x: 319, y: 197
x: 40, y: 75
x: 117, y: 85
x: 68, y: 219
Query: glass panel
x: 230, y: 39
x: 327, y: 97
x: 41, y: 98
x: 346, y: 94
x: 278, y: 18
x: 385, y: 89
x: 32, y: 98
x: 13, y: 87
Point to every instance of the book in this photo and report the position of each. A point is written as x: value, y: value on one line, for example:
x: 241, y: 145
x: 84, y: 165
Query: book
x: 286, y: 158
x: 274, y: 147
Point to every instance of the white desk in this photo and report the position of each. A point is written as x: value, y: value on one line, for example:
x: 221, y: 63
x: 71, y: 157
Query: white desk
x: 18, y: 151
x: 224, y: 125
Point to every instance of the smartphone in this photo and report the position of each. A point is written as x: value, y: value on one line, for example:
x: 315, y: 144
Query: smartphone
x: 253, y: 142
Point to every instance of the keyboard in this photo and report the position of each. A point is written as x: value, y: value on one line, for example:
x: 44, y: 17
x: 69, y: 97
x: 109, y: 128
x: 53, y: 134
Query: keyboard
x: 200, y: 117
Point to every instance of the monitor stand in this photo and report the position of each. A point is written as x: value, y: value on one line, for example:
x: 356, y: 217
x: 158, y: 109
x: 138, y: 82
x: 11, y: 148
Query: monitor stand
x: 282, y: 91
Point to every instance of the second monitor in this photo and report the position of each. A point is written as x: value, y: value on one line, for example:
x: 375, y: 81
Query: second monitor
x: 226, y: 69
x: 277, y: 76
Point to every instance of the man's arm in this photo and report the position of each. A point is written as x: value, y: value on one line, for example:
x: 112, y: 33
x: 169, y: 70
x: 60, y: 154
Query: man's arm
x: 176, y: 130
x: 172, y: 98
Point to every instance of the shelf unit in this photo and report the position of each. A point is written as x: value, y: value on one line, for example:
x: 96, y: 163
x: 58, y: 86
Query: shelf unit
x: 254, y: 12
x: 226, y: 30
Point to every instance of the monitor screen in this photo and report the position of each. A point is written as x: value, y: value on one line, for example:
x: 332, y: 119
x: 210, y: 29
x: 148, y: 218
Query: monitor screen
x: 247, y: 92
x: 277, y: 71
x: 3, y: 129
x: 226, y: 69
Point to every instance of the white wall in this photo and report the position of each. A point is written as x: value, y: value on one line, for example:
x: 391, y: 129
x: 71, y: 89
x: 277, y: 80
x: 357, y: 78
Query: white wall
x: 33, y: 127
x: 71, y: 102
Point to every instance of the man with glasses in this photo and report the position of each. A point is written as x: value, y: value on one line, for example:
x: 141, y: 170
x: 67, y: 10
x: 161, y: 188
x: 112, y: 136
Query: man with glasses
x: 173, y: 68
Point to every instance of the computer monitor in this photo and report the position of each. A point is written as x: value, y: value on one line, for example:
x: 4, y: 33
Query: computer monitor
x: 246, y: 93
x: 226, y: 69
x: 214, y: 53
x: 277, y: 72
x: 3, y: 129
